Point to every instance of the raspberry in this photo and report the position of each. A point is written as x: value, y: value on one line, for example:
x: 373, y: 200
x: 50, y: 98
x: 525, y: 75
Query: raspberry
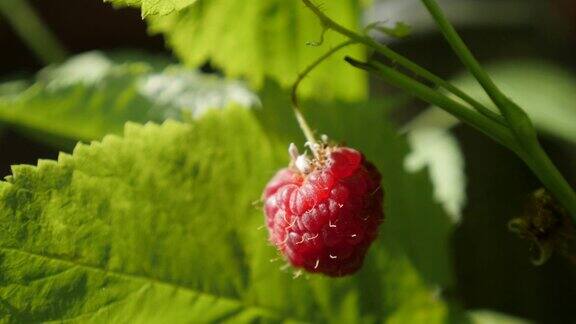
x: 323, y: 214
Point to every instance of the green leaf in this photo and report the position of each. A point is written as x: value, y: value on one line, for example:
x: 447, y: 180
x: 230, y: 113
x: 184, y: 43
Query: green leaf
x: 491, y: 317
x: 154, y: 7
x: 92, y: 95
x: 439, y: 151
x: 399, y: 30
x: 258, y: 39
x: 159, y: 226
x: 12, y: 88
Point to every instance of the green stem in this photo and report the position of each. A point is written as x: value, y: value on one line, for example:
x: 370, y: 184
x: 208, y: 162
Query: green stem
x: 308, y: 133
x: 539, y: 162
x: 517, y: 119
x: 311, y: 67
x: 403, y: 61
x: 487, y: 126
x: 32, y: 30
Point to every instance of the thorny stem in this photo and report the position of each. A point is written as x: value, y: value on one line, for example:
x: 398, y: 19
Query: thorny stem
x: 328, y: 23
x: 308, y: 133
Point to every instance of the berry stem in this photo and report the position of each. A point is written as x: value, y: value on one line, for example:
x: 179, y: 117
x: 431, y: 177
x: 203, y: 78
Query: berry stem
x: 308, y: 133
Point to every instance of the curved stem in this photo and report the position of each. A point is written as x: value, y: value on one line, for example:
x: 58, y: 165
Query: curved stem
x: 308, y: 133
x: 403, y: 61
x: 311, y: 67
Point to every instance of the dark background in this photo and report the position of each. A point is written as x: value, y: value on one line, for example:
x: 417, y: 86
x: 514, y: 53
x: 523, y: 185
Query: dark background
x: 492, y: 266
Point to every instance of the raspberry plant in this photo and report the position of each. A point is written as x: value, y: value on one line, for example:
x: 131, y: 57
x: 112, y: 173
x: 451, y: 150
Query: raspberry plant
x: 155, y: 214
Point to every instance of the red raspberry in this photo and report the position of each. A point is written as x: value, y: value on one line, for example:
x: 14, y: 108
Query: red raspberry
x: 323, y: 214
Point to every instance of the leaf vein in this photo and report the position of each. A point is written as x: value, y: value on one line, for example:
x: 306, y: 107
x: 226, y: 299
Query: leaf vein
x: 135, y: 277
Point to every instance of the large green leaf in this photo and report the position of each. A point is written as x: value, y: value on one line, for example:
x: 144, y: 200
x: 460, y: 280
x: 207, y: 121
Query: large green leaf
x: 92, y: 95
x: 159, y: 226
x: 256, y: 39
x: 154, y: 7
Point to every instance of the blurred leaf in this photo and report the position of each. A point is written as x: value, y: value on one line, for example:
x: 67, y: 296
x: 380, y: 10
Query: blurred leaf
x: 257, y: 39
x: 176, y: 91
x: 87, y: 69
x: 438, y: 150
x: 491, y: 317
x: 91, y: 95
x: 72, y: 248
x: 12, y: 88
x: 154, y: 7
x: 399, y: 30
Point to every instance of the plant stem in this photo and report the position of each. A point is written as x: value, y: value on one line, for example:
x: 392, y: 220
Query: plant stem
x: 487, y: 126
x: 515, y: 130
x: 311, y: 67
x: 539, y: 162
x: 403, y: 61
x: 308, y: 133
x: 518, y: 120
x: 32, y: 30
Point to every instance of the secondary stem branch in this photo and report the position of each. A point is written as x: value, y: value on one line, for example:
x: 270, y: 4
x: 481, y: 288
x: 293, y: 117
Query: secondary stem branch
x: 403, y: 61
x: 308, y: 133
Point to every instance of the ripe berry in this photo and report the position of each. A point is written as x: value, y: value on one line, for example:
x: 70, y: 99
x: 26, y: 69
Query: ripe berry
x: 323, y: 214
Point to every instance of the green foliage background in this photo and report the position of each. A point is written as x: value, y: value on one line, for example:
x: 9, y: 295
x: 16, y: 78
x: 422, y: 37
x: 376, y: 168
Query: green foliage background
x: 152, y: 216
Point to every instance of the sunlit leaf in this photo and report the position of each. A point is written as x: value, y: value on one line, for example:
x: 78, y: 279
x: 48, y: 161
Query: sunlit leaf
x: 92, y: 95
x: 398, y: 30
x: 438, y: 150
x: 159, y: 225
x: 257, y: 39
x: 491, y: 317
x: 154, y: 7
